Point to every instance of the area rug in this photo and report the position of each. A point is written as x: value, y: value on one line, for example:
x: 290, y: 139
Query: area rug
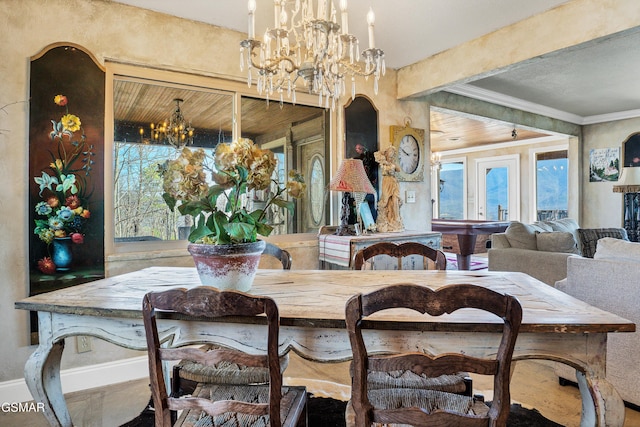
x: 477, y: 262
x: 327, y: 412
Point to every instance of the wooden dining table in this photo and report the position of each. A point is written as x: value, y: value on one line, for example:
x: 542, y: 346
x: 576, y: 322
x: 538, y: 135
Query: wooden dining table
x: 555, y: 326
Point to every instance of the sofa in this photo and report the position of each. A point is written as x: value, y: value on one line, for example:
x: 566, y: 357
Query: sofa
x: 541, y: 249
x: 610, y: 281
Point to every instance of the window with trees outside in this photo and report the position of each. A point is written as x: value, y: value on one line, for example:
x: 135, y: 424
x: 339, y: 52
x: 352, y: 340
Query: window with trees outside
x: 139, y: 150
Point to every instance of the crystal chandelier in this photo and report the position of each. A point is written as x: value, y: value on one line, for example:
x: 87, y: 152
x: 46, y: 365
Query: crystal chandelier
x: 312, y: 46
x: 176, y: 132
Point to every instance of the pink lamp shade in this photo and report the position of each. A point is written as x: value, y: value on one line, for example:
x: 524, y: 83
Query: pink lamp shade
x: 351, y: 177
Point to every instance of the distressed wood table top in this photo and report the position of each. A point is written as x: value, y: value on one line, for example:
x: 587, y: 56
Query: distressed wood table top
x: 317, y: 298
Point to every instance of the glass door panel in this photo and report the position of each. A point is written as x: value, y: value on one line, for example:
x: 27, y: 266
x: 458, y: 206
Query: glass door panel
x: 497, y: 194
x: 498, y: 184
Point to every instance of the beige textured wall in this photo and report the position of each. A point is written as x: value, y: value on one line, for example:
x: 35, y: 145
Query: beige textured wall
x: 602, y: 207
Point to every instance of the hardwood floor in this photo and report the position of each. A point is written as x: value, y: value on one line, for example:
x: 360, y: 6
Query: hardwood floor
x: 534, y: 385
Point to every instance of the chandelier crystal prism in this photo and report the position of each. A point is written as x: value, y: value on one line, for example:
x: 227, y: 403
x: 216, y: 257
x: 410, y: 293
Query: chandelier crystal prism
x: 177, y: 131
x: 311, y: 46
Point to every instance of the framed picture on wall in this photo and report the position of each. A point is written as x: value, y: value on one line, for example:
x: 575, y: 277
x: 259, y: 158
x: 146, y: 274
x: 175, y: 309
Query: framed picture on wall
x: 604, y: 164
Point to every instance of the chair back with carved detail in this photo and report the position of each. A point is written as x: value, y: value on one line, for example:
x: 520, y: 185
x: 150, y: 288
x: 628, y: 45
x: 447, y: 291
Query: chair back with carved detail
x: 270, y: 404
x: 400, y: 251
x: 422, y: 408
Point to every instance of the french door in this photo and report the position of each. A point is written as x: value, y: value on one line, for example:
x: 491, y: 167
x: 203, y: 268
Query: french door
x: 498, y: 188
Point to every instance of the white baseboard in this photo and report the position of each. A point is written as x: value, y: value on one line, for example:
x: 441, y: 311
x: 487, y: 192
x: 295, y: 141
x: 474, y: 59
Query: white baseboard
x: 77, y: 379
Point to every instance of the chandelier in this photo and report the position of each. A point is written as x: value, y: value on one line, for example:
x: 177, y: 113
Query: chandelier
x: 311, y: 46
x: 176, y: 132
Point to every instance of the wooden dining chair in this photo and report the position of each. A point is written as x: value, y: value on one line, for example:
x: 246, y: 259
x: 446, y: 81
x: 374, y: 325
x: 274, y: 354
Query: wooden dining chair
x: 188, y: 373
x: 422, y: 408
x: 219, y: 404
x: 400, y: 251
x: 460, y: 382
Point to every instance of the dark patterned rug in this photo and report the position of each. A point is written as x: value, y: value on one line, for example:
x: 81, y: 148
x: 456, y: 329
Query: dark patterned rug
x: 325, y: 412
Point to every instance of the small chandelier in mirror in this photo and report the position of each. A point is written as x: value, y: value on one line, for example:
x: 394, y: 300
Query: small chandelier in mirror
x: 311, y: 45
x: 177, y: 131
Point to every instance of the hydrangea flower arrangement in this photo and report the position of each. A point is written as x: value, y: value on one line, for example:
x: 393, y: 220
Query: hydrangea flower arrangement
x: 64, y: 212
x: 239, y: 167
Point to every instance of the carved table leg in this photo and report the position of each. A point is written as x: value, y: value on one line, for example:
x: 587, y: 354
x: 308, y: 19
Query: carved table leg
x: 467, y: 243
x: 42, y: 374
x: 601, y: 403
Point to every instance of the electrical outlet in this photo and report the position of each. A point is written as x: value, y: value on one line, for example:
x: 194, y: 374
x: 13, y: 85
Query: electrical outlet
x: 83, y: 344
x: 410, y: 196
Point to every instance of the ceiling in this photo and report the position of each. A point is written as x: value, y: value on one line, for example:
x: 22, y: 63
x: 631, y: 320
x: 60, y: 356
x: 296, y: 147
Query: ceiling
x: 406, y: 23
x: 585, y: 84
x: 210, y: 112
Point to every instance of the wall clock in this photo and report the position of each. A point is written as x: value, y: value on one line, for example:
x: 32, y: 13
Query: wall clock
x: 409, y: 144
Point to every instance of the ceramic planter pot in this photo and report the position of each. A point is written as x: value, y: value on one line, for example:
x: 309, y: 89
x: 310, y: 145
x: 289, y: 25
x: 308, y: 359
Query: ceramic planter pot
x: 227, y: 266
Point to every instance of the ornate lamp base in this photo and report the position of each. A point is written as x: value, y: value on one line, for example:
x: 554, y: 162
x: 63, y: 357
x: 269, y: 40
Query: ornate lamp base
x: 343, y: 229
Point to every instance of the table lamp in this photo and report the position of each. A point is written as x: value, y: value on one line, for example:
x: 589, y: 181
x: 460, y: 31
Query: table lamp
x: 350, y: 178
x: 629, y: 180
x: 629, y: 184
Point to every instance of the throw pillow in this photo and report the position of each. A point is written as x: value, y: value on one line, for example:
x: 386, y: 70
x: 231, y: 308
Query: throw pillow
x: 556, y: 241
x: 570, y: 225
x: 543, y: 225
x: 616, y: 249
x: 522, y: 236
x: 564, y: 224
x: 589, y: 238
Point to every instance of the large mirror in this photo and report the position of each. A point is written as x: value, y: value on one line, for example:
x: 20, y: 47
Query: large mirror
x: 361, y: 130
x: 295, y: 133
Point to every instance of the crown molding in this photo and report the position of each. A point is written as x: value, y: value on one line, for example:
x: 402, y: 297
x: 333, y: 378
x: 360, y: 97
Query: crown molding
x: 611, y: 117
x: 520, y: 104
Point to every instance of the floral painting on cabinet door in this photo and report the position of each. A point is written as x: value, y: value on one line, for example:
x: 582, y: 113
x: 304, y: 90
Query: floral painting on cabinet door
x: 66, y: 170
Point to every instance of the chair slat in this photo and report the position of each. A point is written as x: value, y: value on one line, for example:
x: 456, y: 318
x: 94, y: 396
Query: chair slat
x: 213, y: 356
x: 423, y: 364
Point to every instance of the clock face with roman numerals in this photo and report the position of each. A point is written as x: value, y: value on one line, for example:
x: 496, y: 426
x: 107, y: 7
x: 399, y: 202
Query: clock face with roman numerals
x: 408, y: 154
x: 409, y: 143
